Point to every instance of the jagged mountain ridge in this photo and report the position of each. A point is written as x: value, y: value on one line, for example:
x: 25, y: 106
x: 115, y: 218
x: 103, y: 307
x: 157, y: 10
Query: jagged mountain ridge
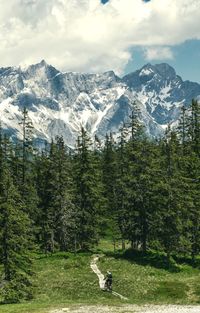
x: 60, y: 103
x: 162, y: 91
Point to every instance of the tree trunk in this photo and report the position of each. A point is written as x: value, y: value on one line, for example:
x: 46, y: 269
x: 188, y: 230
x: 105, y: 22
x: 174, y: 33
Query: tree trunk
x: 168, y: 258
x: 114, y: 244
x: 193, y: 258
x: 123, y: 245
x: 75, y: 244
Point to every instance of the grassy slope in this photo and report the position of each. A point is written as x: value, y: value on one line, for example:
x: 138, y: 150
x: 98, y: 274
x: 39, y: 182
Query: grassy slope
x: 148, y: 284
x: 65, y: 279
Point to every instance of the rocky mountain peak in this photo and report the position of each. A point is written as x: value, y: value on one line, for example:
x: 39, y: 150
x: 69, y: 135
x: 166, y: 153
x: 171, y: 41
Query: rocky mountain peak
x: 165, y: 71
x: 40, y: 70
x: 60, y: 103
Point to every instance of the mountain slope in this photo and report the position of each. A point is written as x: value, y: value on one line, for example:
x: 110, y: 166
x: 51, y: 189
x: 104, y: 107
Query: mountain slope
x: 161, y: 91
x: 60, y: 103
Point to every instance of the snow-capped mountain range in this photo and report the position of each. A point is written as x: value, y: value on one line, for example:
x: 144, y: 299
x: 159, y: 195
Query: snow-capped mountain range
x: 60, y: 103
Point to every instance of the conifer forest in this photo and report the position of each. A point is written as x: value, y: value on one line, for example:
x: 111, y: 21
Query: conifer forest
x: 136, y: 189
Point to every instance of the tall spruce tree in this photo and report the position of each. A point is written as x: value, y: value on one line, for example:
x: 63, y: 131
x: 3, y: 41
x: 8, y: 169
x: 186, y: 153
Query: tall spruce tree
x: 171, y: 192
x: 56, y: 192
x: 45, y: 187
x: 88, y: 193
x: 121, y: 176
x: 109, y: 179
x: 64, y: 198
x: 14, y: 237
x: 24, y: 160
x: 192, y: 173
x: 194, y: 126
x: 133, y: 192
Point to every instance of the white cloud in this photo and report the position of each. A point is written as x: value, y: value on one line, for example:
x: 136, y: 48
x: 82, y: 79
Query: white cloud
x: 84, y: 35
x: 158, y: 53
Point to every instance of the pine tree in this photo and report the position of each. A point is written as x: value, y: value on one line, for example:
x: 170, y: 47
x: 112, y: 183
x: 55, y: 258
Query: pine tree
x: 88, y: 193
x: 121, y: 176
x: 27, y: 128
x: 192, y: 173
x: 14, y: 238
x: 24, y: 160
x: 147, y: 174
x: 47, y: 178
x: 60, y: 223
x: 194, y: 210
x: 182, y: 129
x: 135, y: 126
x: 171, y: 201
x: 109, y: 179
x: 64, y: 198
x: 194, y: 128
x: 133, y: 150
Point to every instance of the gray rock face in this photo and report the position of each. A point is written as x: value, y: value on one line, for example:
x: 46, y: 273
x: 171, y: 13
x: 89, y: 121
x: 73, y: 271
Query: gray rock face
x: 60, y: 103
x: 161, y: 91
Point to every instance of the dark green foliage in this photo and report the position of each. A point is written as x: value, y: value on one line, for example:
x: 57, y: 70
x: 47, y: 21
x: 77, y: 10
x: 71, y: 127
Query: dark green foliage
x: 170, y: 209
x: 150, y: 258
x: 65, y: 217
x: 14, y: 239
x: 109, y: 179
x: 88, y: 198
x: 23, y: 166
x: 138, y: 190
x: 56, y: 218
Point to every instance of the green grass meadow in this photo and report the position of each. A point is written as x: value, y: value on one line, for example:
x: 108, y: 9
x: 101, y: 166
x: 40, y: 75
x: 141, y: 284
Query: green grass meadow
x: 65, y: 279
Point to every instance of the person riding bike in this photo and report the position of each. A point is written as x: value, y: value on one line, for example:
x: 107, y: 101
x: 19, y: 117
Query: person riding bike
x: 108, y: 280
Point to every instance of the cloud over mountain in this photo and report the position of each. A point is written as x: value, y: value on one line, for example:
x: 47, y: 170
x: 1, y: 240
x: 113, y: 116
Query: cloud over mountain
x: 85, y: 35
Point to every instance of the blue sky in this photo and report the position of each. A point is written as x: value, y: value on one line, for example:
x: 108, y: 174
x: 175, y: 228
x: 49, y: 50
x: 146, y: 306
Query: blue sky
x: 99, y: 35
x: 186, y: 60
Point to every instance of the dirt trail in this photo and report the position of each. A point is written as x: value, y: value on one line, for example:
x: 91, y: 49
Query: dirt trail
x: 128, y: 308
x: 131, y: 309
x: 96, y: 270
